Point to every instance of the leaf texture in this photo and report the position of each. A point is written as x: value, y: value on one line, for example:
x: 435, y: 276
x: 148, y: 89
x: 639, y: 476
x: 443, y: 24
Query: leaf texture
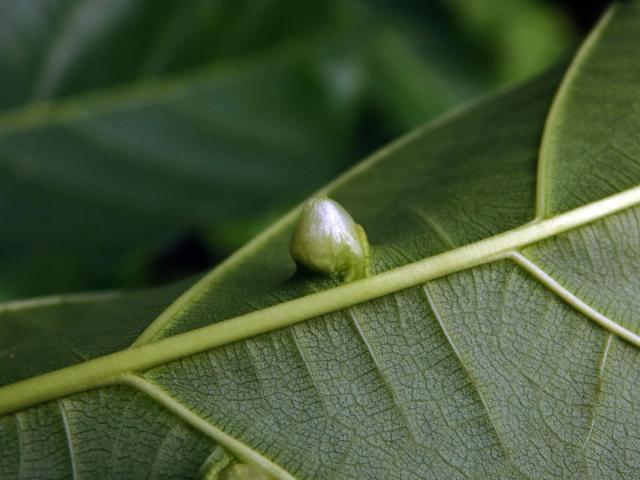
x: 496, y: 338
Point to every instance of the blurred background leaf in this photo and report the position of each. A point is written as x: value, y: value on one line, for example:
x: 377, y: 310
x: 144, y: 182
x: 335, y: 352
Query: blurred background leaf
x: 143, y: 141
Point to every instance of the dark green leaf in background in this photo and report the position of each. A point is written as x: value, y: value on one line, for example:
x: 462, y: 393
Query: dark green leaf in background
x: 142, y: 141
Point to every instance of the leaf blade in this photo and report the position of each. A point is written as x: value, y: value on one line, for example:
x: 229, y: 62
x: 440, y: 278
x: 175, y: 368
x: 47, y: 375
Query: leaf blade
x: 492, y: 362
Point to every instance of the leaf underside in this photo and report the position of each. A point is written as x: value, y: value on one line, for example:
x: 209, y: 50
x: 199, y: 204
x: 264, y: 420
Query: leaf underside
x: 500, y: 370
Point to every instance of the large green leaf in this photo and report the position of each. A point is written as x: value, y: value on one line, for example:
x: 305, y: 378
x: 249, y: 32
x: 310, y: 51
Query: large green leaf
x: 496, y: 338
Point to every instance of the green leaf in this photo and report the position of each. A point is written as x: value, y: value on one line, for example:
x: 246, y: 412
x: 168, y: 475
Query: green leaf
x: 497, y: 336
x: 57, y: 48
x: 120, y: 138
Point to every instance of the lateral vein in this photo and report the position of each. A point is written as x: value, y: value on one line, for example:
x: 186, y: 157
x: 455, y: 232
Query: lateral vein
x: 240, y: 450
x: 67, y: 431
x: 594, y: 404
x: 545, y: 279
x: 472, y: 381
x: 383, y: 378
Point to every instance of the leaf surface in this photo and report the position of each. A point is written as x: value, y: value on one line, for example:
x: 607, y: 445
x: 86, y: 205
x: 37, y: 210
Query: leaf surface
x: 496, y: 338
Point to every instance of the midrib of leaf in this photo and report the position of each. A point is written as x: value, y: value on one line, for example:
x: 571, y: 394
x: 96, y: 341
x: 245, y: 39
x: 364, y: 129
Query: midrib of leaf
x: 108, y: 369
x: 557, y: 106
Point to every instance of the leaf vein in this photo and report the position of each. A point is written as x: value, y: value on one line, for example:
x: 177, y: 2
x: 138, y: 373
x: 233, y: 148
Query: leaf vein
x: 69, y: 436
x: 383, y: 377
x: 472, y: 380
x: 240, y: 450
x: 552, y: 285
x: 99, y: 371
